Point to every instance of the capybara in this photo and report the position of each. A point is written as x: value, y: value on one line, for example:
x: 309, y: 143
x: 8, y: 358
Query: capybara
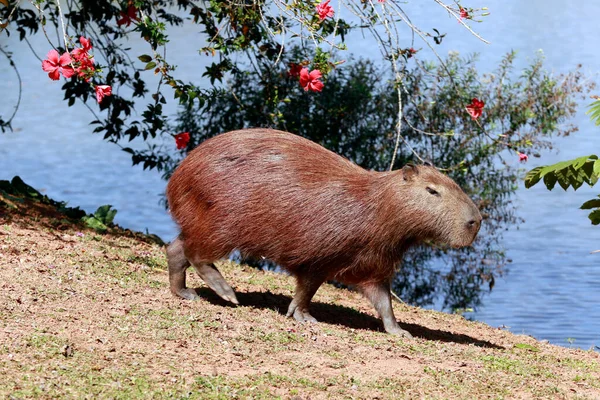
x: 275, y: 195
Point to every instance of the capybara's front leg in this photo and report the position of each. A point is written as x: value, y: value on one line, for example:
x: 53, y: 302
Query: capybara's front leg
x: 380, y: 297
x: 178, y: 265
x: 306, y: 287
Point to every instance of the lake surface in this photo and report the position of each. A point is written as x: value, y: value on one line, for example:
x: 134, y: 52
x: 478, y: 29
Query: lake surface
x: 552, y: 289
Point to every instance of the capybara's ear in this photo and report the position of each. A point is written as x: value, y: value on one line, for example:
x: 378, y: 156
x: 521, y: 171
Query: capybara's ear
x: 409, y: 171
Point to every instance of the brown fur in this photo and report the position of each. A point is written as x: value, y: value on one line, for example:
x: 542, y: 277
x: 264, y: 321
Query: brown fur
x: 276, y: 195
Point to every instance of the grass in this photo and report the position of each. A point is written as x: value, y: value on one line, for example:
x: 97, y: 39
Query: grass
x: 84, y: 315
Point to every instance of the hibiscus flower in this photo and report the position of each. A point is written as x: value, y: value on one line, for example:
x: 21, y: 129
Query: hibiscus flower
x: 102, y: 91
x: 310, y: 81
x: 128, y: 17
x: 295, y: 69
x: 182, y: 139
x: 55, y: 65
x: 523, y: 157
x: 82, y: 52
x: 475, y: 108
x: 324, y: 10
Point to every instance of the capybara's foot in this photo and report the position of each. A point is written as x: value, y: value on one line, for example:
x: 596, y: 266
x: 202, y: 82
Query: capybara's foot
x: 187, y: 293
x: 396, y: 330
x: 300, y: 314
x: 213, y: 278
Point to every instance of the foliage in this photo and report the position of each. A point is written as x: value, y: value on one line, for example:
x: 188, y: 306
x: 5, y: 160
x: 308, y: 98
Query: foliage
x: 594, y: 112
x: 100, y: 220
x: 572, y: 173
x: 16, y: 190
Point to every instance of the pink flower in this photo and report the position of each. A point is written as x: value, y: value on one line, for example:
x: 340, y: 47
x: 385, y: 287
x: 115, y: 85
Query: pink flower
x: 82, y: 52
x: 310, y: 81
x: 295, y: 69
x: 475, y: 108
x: 182, y: 139
x: 102, y: 91
x: 324, y: 10
x: 129, y: 17
x: 86, y: 69
x: 381, y: 1
x: 55, y: 65
x: 523, y: 157
x: 464, y: 14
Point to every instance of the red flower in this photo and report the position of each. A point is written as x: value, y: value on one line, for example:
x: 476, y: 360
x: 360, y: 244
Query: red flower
x: 310, y: 81
x: 129, y: 17
x: 54, y: 65
x: 324, y: 10
x: 102, y: 91
x: 523, y: 157
x: 464, y: 14
x: 295, y: 69
x: 182, y: 139
x: 475, y: 108
x: 86, y: 69
x: 410, y: 52
x: 82, y: 52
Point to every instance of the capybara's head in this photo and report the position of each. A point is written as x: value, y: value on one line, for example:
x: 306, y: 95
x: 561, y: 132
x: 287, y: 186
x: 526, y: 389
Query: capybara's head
x: 445, y: 213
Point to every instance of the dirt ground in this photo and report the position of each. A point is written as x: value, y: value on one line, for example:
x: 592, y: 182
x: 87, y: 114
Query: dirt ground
x: 88, y: 315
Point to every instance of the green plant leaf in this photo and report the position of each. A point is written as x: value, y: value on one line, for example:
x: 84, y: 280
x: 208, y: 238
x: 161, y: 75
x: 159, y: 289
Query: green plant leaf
x: 595, y: 217
x: 594, y: 203
x: 94, y: 223
x: 597, y: 167
x: 594, y: 112
x: 550, y: 181
x: 526, y: 346
x: 150, y: 65
x: 104, y: 214
x: 533, y: 177
x: 145, y: 58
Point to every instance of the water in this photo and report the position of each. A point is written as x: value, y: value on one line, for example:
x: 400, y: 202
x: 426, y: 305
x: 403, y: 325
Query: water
x: 552, y: 289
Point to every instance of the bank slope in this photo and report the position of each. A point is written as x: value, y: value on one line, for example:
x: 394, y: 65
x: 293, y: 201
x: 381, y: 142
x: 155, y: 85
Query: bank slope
x: 89, y: 315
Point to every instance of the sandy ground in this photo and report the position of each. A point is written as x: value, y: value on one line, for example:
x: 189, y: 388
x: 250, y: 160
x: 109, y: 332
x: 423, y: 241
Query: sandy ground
x: 88, y: 315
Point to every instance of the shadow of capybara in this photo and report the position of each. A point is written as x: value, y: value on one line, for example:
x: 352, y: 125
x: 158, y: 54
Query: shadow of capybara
x: 276, y: 195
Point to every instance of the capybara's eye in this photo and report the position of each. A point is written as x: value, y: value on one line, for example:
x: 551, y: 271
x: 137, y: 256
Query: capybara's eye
x: 432, y: 191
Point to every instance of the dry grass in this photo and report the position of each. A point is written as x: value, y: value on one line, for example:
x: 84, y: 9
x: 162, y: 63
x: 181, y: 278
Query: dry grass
x: 90, y: 316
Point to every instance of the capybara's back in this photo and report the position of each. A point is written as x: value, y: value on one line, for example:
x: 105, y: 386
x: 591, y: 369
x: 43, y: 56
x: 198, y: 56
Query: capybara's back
x: 276, y: 195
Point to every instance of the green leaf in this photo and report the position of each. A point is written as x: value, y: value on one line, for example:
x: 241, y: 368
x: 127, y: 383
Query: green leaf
x: 94, y: 223
x: 533, y: 177
x: 550, y: 181
x: 594, y: 112
x: 145, y: 58
x: 597, y: 167
x: 595, y: 217
x: 104, y: 214
x: 594, y: 203
x: 150, y: 65
x: 526, y: 346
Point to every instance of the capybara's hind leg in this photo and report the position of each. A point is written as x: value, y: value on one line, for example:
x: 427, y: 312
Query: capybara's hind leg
x: 380, y: 296
x: 306, y: 287
x: 213, y: 278
x: 178, y: 264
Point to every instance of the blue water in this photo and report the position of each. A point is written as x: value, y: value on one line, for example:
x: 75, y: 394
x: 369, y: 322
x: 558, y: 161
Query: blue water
x: 552, y: 290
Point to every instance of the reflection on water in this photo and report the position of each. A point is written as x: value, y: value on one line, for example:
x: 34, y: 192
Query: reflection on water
x: 552, y: 289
